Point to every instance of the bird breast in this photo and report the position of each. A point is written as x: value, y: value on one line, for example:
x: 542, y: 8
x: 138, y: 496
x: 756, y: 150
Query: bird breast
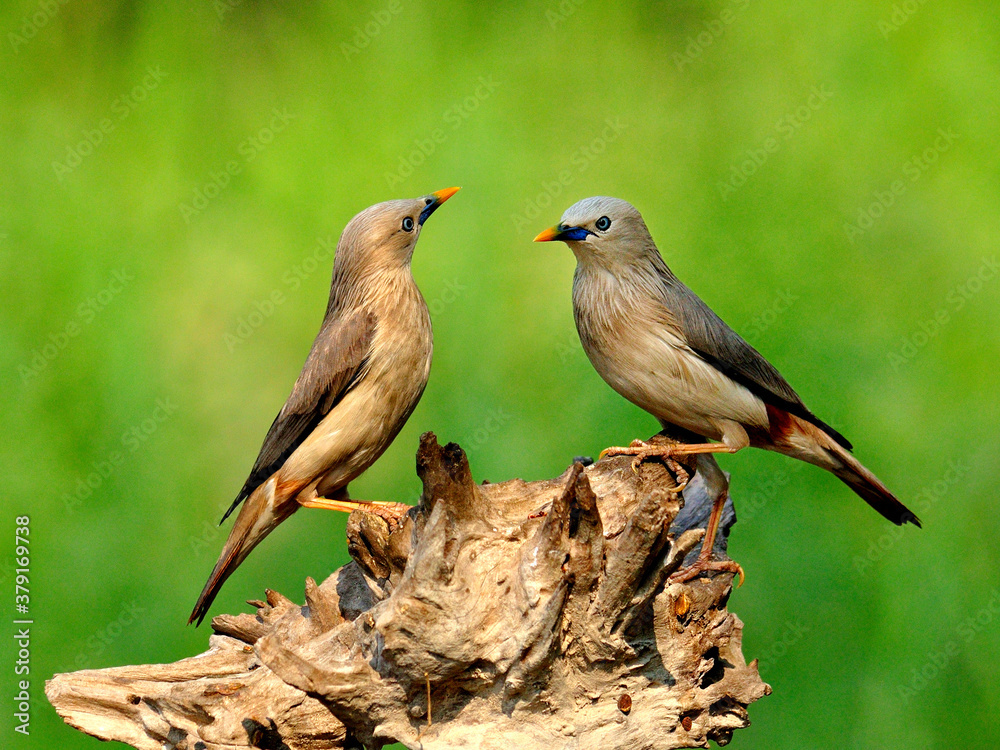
x: 369, y: 416
x: 637, y: 345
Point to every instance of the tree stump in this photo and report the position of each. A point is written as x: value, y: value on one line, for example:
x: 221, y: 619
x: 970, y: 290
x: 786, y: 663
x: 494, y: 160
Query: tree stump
x: 511, y: 615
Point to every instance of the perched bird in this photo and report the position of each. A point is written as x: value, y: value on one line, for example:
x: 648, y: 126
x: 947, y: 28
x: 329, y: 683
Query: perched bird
x: 656, y: 343
x: 361, y: 381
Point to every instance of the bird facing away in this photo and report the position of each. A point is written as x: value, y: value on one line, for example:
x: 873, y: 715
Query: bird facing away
x: 361, y: 381
x: 656, y: 343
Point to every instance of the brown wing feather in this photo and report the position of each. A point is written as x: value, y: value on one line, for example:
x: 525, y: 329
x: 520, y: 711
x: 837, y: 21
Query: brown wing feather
x: 714, y: 341
x: 337, y: 358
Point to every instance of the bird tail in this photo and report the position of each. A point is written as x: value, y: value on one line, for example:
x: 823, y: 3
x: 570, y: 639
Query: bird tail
x: 835, y: 458
x: 260, y: 514
x: 870, y: 488
x: 800, y: 439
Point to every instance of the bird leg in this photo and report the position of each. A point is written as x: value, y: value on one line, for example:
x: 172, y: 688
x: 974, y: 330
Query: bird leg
x: 715, y: 481
x: 388, y: 511
x: 643, y: 450
x: 712, y: 475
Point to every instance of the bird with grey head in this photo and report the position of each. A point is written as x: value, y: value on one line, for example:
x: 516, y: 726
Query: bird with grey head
x: 361, y: 381
x: 656, y: 343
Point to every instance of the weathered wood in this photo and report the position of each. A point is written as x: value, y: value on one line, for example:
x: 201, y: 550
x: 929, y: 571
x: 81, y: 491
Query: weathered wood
x: 219, y: 700
x: 533, y: 615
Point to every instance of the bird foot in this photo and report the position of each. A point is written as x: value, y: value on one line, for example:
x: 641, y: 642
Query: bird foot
x: 389, y: 511
x: 705, y: 564
x: 643, y: 450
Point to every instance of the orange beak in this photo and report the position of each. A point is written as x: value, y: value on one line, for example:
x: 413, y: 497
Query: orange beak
x: 443, y: 195
x: 547, y: 235
x: 434, y: 201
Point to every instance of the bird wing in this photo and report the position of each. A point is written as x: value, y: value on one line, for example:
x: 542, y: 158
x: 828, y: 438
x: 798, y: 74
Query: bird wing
x: 334, y: 365
x: 713, y: 340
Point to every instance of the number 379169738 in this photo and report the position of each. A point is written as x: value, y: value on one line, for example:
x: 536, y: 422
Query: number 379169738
x: 23, y: 560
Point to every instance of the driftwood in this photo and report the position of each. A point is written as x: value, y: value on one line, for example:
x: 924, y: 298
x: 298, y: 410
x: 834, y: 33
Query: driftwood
x: 512, y: 615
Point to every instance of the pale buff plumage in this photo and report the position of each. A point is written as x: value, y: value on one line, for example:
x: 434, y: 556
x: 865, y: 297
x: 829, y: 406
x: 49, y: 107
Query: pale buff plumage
x: 652, y: 365
x: 361, y: 381
x: 656, y: 343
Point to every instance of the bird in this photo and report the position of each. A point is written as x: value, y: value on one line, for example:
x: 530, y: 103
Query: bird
x: 362, y: 379
x: 656, y: 343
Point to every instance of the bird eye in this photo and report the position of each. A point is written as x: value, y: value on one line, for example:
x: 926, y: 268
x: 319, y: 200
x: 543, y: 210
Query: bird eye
x: 603, y: 223
x: 408, y: 224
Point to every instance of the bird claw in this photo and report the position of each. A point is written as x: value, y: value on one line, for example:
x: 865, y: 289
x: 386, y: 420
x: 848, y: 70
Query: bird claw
x: 643, y: 450
x: 640, y: 449
x: 702, y: 565
x: 682, y: 477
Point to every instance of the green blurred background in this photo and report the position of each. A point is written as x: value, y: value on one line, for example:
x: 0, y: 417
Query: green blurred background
x: 823, y: 175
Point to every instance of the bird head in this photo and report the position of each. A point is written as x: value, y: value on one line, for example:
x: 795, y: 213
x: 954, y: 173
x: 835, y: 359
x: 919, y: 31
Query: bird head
x: 602, y: 229
x: 384, y: 235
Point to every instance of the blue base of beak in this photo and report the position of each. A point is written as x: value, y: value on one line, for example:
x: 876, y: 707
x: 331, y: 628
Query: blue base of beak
x: 573, y: 234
